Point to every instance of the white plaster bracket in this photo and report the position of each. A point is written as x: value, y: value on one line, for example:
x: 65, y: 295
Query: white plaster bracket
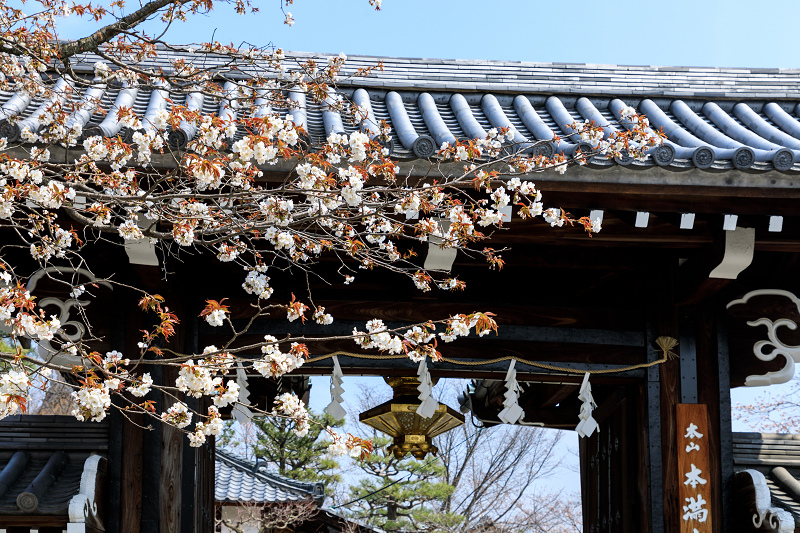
x: 739, y: 248
x: 765, y: 516
x: 83, y: 508
x: 439, y: 258
x: 141, y: 251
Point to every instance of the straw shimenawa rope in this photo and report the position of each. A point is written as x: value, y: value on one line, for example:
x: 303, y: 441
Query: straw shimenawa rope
x: 665, y: 344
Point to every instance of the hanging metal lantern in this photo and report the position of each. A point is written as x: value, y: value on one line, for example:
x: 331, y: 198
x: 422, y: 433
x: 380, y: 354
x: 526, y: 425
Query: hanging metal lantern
x: 398, y: 418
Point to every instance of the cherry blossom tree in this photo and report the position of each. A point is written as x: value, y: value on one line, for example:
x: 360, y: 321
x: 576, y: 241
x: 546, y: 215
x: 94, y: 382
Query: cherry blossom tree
x: 174, y: 177
x: 773, y: 411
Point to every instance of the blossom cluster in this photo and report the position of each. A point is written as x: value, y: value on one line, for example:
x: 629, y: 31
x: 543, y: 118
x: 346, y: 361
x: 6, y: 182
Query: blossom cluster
x: 14, y: 392
x: 196, y: 380
x: 636, y: 141
x: 212, y: 426
x: 350, y: 445
x: 290, y: 406
x: 93, y: 399
x: 142, y: 386
x: 17, y: 310
x: 418, y: 342
x: 276, y: 363
x: 177, y: 415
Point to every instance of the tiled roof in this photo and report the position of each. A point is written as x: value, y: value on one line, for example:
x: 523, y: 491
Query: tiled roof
x: 237, y: 480
x: 526, y: 77
x: 20, y: 472
x: 42, y: 460
x: 777, y: 456
x: 714, y: 118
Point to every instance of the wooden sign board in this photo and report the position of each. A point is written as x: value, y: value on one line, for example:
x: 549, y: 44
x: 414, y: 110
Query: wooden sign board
x: 694, y: 483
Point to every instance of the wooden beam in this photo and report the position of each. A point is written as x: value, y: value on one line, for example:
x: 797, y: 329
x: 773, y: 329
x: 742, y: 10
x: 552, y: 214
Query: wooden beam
x: 506, y: 332
x: 559, y: 395
x: 34, y: 521
x: 606, y: 315
x: 693, y: 282
x: 468, y: 350
x: 676, y: 198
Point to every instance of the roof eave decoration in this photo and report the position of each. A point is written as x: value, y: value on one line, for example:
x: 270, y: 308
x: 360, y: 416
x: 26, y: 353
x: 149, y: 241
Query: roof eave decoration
x: 744, y: 119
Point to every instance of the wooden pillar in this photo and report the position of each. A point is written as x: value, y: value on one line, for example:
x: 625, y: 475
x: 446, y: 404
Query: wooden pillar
x: 132, y: 461
x: 725, y: 423
x: 670, y: 397
x: 173, y: 440
x: 664, y: 393
x: 151, y: 467
x: 189, y: 523
x: 132, y: 468
x: 166, y: 486
x: 116, y: 423
x: 643, y: 472
x: 652, y: 438
x: 714, y: 390
x: 170, y: 467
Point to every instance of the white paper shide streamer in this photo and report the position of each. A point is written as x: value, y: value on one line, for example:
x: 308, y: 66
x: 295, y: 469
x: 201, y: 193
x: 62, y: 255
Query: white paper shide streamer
x: 429, y: 405
x: 588, y: 424
x: 241, y: 413
x: 511, y: 412
x: 335, y: 408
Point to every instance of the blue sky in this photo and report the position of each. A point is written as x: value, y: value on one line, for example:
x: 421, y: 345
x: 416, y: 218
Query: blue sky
x: 729, y: 33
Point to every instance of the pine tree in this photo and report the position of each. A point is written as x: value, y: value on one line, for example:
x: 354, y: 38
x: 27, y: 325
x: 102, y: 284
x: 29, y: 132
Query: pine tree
x: 301, y: 458
x: 408, y: 493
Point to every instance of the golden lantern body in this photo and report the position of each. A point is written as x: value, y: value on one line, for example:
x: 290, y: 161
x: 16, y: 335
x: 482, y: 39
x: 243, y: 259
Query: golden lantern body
x: 398, y: 418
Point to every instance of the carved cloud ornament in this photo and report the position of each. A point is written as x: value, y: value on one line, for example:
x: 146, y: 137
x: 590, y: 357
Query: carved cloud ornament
x: 770, y: 349
x: 71, y: 330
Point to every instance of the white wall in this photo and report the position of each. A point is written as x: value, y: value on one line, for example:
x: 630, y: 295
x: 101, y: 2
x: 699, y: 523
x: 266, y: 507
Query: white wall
x: 234, y: 514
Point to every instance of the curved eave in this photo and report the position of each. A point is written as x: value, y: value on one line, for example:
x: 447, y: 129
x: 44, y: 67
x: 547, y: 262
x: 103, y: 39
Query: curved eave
x: 751, y: 125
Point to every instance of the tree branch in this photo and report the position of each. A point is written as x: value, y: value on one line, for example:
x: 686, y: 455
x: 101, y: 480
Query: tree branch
x: 106, y: 33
